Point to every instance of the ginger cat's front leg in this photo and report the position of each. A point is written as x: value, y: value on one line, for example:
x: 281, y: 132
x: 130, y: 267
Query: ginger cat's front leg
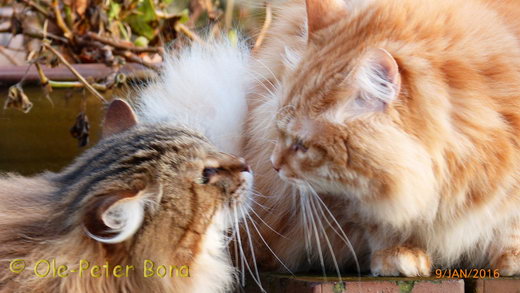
x: 508, y: 263
x: 401, y: 260
x: 505, y: 254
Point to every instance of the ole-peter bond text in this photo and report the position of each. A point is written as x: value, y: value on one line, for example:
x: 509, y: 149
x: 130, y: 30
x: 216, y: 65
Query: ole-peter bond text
x: 50, y: 268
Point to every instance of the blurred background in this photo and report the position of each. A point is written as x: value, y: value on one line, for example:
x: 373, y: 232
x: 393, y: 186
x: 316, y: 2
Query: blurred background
x: 62, y: 60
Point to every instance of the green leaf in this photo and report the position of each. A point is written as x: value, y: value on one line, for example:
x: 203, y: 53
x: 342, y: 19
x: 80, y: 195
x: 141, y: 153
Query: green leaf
x: 140, y: 21
x: 123, y: 31
x: 147, y: 8
x: 185, y: 16
x: 141, y: 27
x: 113, y: 10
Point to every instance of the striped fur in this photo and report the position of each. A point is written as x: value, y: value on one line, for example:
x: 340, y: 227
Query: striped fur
x: 50, y: 216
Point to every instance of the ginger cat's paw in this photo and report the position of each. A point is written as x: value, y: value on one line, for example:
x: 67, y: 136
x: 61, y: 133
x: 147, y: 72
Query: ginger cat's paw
x: 406, y: 261
x: 508, y: 264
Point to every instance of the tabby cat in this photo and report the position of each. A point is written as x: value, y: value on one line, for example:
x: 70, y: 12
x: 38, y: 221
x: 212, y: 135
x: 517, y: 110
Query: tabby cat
x: 404, y: 116
x: 145, y: 193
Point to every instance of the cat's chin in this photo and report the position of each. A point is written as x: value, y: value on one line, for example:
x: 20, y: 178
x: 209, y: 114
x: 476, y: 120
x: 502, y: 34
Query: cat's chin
x: 325, y: 187
x: 296, y: 182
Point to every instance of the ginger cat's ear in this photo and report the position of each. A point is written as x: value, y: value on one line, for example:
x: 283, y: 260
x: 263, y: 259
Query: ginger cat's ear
x: 115, y: 217
x: 322, y: 13
x: 378, y: 80
x: 119, y: 117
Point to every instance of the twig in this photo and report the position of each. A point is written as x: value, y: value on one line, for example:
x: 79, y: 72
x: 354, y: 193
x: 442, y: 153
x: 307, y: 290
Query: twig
x: 7, y: 56
x: 45, y: 82
x: 37, y: 8
x: 185, y: 30
x: 76, y: 84
x: 39, y: 35
x: 74, y: 71
x: 117, y: 45
x: 14, y: 49
x: 43, y: 78
x: 229, y: 13
x: 59, y: 20
x: 134, y: 58
x: 209, y: 5
x: 265, y: 27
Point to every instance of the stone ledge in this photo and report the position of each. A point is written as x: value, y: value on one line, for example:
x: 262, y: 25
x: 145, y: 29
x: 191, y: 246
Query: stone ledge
x: 274, y: 283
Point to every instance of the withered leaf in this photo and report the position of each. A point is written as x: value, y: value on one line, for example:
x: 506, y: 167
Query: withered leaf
x: 80, y: 129
x: 17, y: 99
x: 81, y: 6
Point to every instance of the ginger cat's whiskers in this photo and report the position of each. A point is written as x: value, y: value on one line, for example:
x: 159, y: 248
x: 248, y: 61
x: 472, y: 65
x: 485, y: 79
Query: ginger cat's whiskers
x: 403, y: 117
x: 249, y: 240
x: 341, y: 234
x: 244, y: 259
x: 267, y: 245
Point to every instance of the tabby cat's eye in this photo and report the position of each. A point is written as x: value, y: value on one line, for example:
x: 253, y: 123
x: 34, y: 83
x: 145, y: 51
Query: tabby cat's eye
x: 207, y: 173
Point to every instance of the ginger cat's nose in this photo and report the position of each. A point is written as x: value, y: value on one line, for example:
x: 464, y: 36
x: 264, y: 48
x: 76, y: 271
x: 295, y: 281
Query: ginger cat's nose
x: 243, y: 166
x: 275, y: 162
x: 246, y: 168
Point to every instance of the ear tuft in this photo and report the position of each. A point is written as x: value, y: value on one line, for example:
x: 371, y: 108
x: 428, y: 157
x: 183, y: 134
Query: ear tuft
x: 119, y: 117
x: 378, y: 80
x: 322, y: 13
x: 116, y: 217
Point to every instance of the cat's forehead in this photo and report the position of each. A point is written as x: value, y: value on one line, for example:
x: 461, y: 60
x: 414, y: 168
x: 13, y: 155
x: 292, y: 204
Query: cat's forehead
x: 146, y: 145
x: 304, y: 127
x: 162, y: 137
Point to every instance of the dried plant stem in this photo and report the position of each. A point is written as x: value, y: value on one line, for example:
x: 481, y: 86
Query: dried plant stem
x: 66, y: 84
x: 117, y: 45
x: 37, y: 7
x: 7, y: 56
x: 229, y: 13
x: 209, y: 6
x: 74, y: 71
x: 185, y: 30
x: 59, y: 20
x: 39, y: 35
x: 76, y: 84
x: 14, y: 49
x: 134, y: 58
x: 265, y: 27
x: 43, y: 78
x: 47, y: 87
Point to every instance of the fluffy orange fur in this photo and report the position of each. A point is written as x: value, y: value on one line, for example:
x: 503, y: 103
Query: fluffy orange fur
x: 404, y: 116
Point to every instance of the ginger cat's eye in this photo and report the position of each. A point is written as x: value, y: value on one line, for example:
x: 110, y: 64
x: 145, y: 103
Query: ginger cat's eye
x: 299, y: 147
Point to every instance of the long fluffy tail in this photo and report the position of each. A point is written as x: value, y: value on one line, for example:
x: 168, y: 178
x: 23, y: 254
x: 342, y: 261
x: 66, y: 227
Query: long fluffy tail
x: 204, y: 87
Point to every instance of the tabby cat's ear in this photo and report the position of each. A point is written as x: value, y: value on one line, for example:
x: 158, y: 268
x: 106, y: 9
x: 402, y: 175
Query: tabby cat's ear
x: 322, y: 13
x: 378, y: 81
x: 114, y: 218
x: 119, y: 117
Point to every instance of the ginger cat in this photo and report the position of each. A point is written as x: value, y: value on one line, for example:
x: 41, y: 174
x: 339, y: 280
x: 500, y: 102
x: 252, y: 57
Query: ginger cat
x: 404, y: 116
x: 145, y: 192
